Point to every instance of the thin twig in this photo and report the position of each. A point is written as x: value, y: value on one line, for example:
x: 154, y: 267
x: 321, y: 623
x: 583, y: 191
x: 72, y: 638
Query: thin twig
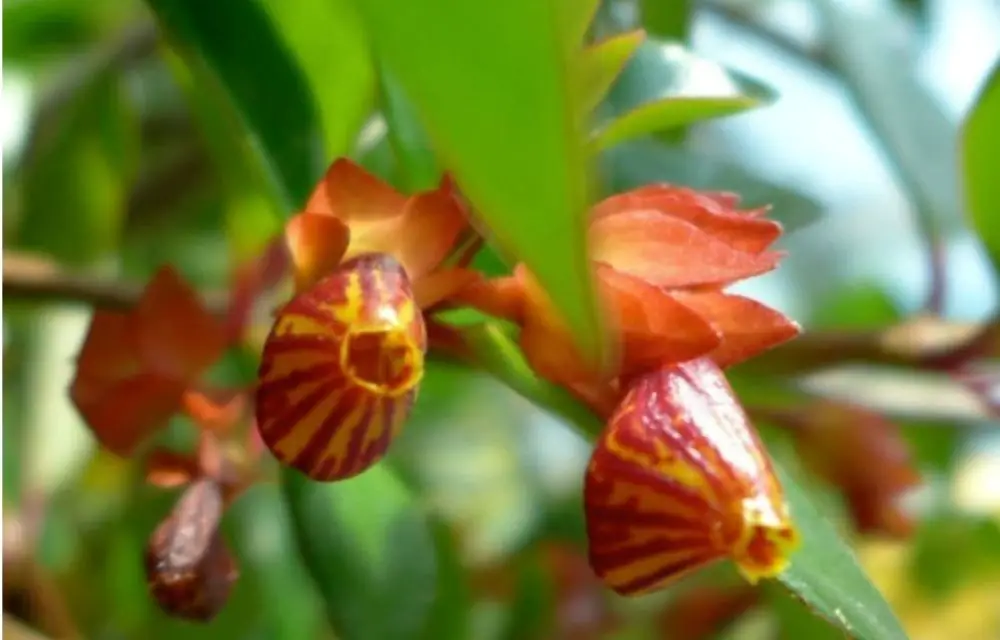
x: 28, y: 277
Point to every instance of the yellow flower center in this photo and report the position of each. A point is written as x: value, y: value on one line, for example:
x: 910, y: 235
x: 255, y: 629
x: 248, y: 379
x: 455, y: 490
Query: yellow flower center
x: 383, y: 359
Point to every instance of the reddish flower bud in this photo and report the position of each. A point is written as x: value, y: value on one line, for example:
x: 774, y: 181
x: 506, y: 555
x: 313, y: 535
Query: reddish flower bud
x: 188, y: 568
x: 678, y: 480
x: 340, y: 369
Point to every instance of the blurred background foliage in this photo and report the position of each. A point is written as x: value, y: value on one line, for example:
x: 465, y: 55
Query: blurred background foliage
x: 125, y: 148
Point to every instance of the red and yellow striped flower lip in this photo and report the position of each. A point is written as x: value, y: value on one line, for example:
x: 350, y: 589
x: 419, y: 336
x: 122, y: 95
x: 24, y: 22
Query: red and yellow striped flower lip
x: 341, y: 368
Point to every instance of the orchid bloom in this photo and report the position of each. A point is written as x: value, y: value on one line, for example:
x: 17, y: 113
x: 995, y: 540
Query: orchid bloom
x: 679, y: 478
x: 342, y: 364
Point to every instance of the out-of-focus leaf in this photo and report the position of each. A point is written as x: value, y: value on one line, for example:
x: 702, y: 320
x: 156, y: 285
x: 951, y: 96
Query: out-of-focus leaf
x: 870, y: 47
x: 981, y: 163
x: 858, y: 306
x: 41, y: 31
x: 76, y: 185
x: 529, y: 616
x: 417, y: 162
x: 669, y: 19
x: 600, y: 65
x: 365, y: 541
x: 795, y: 619
x: 450, y: 615
x: 491, y: 84
x: 642, y: 162
x: 249, y: 64
x: 331, y: 47
x: 955, y: 550
x: 665, y: 86
x: 825, y: 574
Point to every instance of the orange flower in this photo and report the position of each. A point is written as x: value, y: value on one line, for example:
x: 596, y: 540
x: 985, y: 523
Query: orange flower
x: 342, y: 364
x: 135, y: 367
x: 678, y: 480
x: 662, y: 256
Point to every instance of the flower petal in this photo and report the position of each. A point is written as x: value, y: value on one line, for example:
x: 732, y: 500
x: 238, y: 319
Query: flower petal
x: 655, y: 329
x: 216, y: 411
x: 421, y: 237
x: 316, y: 243
x: 440, y: 285
x: 340, y: 369
x: 747, y: 327
x: 678, y: 480
x: 352, y: 194
x: 502, y: 298
x: 121, y: 402
x: 169, y: 469
x: 177, y: 336
x: 670, y: 252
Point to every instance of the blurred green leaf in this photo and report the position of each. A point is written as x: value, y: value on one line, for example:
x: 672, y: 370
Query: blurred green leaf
x: 331, y: 47
x: 825, y: 574
x: 239, y: 43
x: 871, y: 47
x: 417, y: 163
x: 981, y: 162
x: 490, y: 82
x: 953, y: 550
x: 665, y: 86
x: 450, y: 615
x: 37, y: 32
x: 642, y: 162
x: 76, y: 184
x: 795, y: 619
x: 669, y: 19
x: 857, y: 306
x: 576, y: 16
x: 601, y: 63
x: 529, y: 616
x: 367, y: 545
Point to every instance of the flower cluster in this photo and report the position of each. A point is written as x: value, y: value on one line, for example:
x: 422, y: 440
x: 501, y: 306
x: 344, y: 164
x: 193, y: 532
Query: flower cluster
x: 678, y: 478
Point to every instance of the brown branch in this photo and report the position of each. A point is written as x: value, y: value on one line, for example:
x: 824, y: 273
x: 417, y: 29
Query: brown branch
x: 34, y: 278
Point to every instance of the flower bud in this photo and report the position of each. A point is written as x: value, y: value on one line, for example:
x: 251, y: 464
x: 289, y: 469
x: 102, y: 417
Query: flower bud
x: 679, y: 479
x: 340, y: 369
x: 189, y: 570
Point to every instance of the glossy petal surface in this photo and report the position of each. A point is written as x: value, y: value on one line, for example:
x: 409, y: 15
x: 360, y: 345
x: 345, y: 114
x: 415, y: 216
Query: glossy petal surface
x: 678, y: 480
x: 316, y: 242
x: 350, y: 193
x: 340, y: 369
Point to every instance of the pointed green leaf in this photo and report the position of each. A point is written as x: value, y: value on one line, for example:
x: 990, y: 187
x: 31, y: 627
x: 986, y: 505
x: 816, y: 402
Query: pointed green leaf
x: 981, y: 163
x: 600, y: 65
x: 240, y: 44
x: 826, y: 575
x: 490, y: 82
x: 666, y: 86
x: 670, y: 19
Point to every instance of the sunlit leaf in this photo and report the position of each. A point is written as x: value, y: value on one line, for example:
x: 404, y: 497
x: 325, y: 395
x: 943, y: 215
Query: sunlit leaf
x: 665, y: 86
x: 600, y: 65
x: 981, y: 160
x: 417, y: 163
x: 665, y: 19
x: 490, y: 82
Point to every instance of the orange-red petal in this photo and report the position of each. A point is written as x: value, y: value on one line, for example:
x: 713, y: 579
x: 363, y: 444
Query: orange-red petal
x: 316, y: 243
x: 439, y: 286
x: 169, y: 469
x: 670, y: 252
x: 340, y: 369
x: 747, y: 327
x: 678, y: 480
x: 177, y: 336
x: 499, y: 297
x: 655, y: 329
x: 424, y: 233
x: 352, y: 194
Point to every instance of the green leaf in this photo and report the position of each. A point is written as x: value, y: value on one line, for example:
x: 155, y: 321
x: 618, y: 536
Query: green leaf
x: 530, y: 614
x: 239, y: 43
x: 450, y: 617
x: 367, y: 545
x: 665, y: 86
x: 417, y: 162
x: 981, y: 162
x: 76, y: 183
x: 490, y: 82
x: 601, y: 63
x: 328, y: 41
x: 643, y: 162
x: 826, y: 575
x: 670, y: 19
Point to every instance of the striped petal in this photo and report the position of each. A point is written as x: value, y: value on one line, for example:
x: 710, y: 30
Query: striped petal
x: 340, y: 369
x: 678, y: 480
